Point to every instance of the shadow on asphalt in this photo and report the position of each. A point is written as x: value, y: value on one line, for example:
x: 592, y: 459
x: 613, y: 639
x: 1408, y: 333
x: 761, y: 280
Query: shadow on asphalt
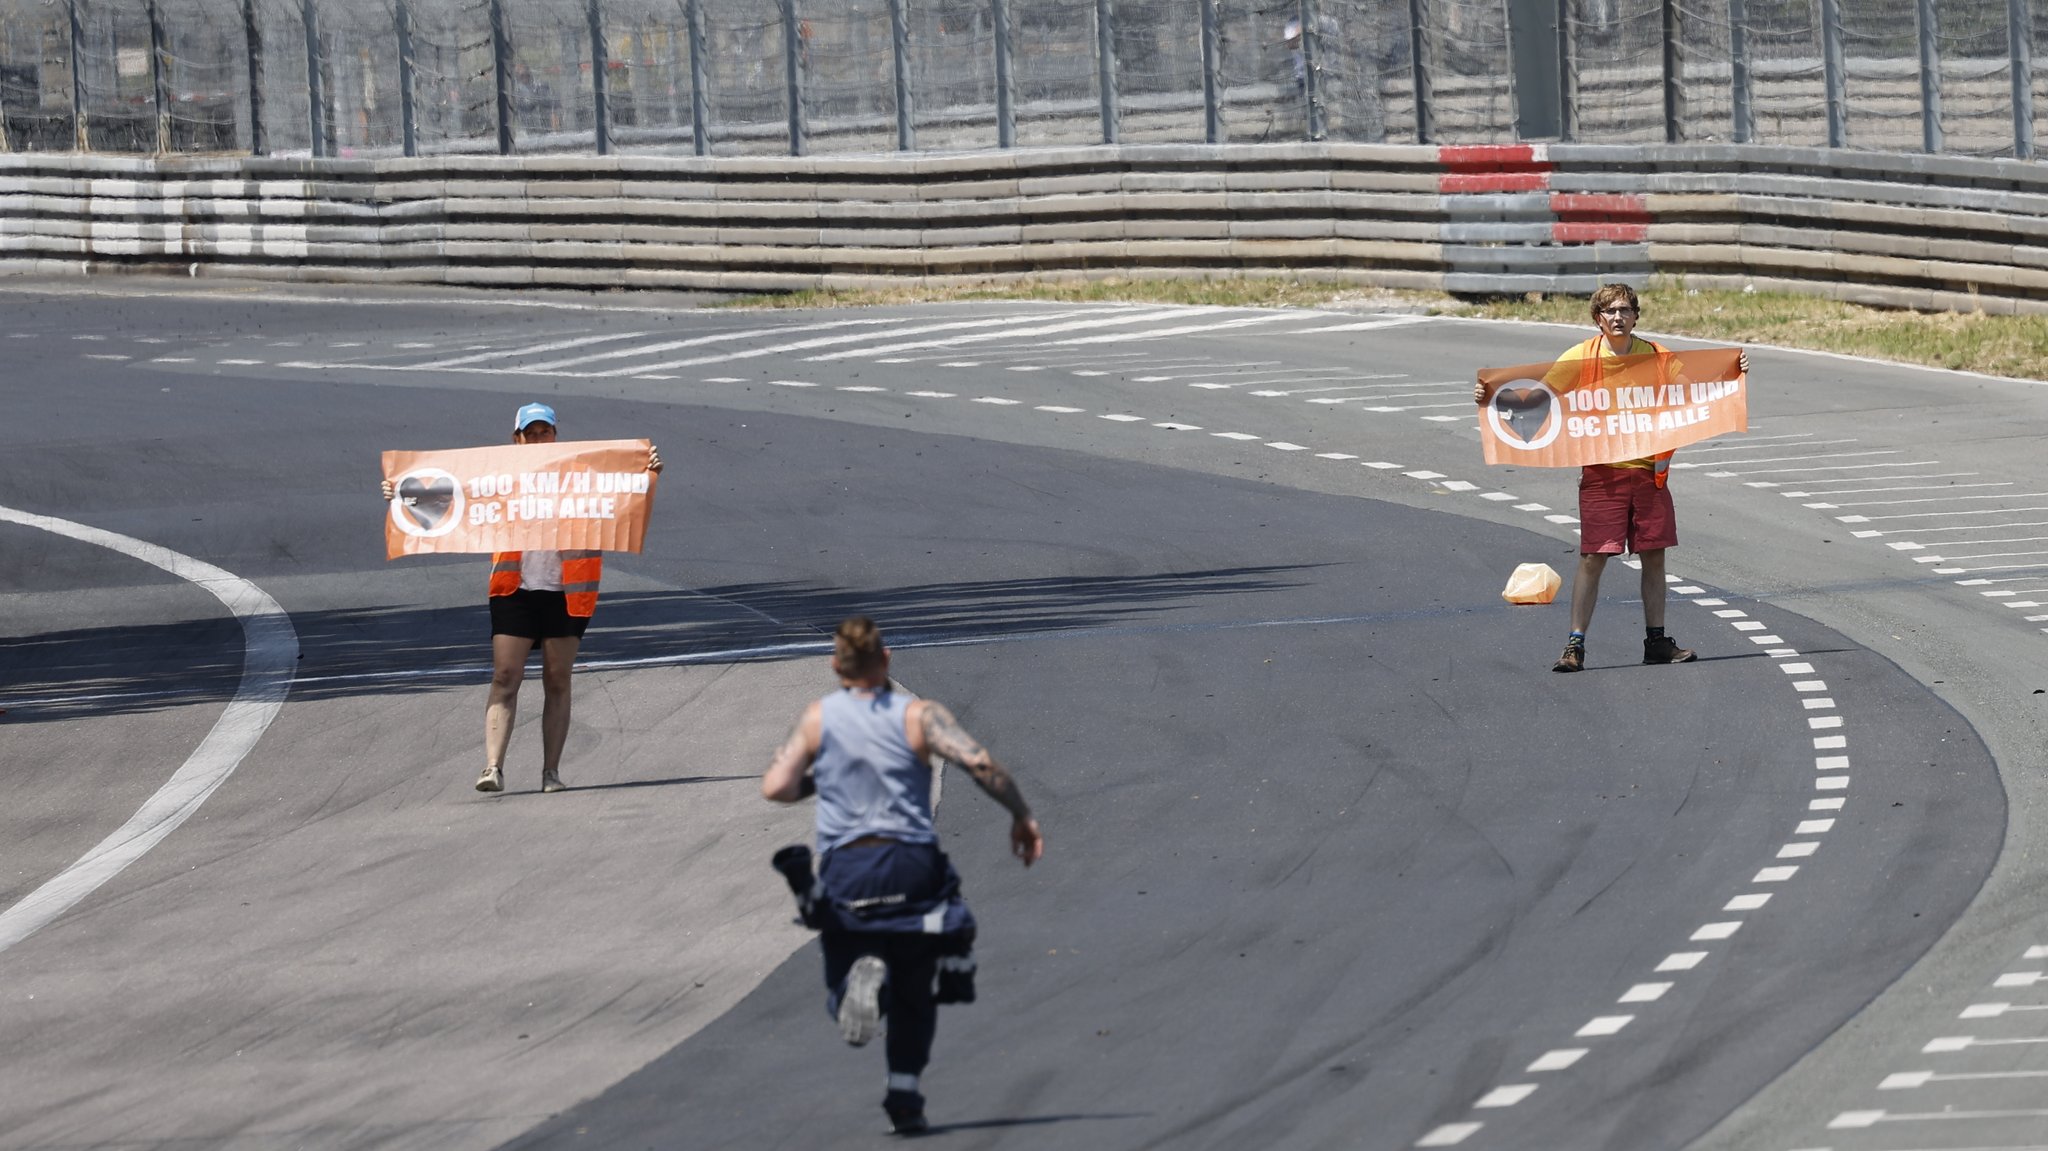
x: 1031, y: 1121
x: 379, y: 651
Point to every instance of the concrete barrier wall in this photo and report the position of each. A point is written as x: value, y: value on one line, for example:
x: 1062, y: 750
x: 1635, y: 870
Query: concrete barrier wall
x: 1929, y: 232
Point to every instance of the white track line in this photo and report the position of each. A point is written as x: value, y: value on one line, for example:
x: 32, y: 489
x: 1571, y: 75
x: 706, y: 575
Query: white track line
x: 270, y: 650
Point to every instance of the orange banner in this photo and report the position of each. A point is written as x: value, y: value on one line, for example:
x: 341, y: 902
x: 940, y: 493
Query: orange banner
x: 1573, y: 411
x: 591, y: 495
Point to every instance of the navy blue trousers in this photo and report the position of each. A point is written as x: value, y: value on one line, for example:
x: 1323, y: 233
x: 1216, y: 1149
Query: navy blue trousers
x: 917, y: 873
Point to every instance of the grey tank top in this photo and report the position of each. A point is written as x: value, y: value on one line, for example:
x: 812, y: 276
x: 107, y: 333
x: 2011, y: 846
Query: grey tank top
x: 869, y: 781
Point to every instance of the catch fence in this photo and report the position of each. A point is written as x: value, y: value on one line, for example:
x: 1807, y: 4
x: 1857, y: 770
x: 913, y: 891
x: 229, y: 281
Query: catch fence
x: 377, y: 78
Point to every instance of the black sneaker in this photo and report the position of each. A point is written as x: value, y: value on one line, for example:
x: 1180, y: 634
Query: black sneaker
x: 1664, y: 649
x: 1573, y: 659
x: 955, y: 983
x: 906, y: 1112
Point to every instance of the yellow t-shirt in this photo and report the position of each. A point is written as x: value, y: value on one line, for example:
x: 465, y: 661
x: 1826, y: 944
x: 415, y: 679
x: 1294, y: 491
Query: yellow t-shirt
x: 1572, y: 370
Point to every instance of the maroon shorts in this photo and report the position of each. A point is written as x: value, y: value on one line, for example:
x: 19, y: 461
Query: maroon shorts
x: 1623, y: 510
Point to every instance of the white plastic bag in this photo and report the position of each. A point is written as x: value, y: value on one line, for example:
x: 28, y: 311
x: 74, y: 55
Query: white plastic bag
x: 1532, y: 583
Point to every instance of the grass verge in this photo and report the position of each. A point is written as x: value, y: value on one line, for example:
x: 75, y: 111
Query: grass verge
x: 2014, y: 346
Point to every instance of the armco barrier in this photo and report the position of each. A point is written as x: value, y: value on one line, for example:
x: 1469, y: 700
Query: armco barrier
x: 1929, y: 232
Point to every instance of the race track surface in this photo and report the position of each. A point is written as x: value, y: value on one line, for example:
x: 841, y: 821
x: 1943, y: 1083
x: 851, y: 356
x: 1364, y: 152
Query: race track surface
x: 1333, y: 859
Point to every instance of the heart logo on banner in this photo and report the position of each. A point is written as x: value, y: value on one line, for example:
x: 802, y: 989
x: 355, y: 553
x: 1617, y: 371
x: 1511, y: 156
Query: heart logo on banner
x: 427, y: 501
x: 1524, y: 410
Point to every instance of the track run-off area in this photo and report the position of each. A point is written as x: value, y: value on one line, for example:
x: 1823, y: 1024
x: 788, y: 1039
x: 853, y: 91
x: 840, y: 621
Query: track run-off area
x: 1334, y: 860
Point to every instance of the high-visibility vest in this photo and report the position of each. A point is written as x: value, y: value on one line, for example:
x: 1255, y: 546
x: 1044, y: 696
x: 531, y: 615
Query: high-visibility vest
x: 1590, y: 372
x: 580, y: 573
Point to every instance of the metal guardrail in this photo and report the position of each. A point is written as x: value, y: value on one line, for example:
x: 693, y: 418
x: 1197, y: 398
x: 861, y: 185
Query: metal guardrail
x: 367, y: 78
x: 1897, y: 230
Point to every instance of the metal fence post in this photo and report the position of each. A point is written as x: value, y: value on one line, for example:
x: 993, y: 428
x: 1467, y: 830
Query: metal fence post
x: 1418, y: 64
x: 1311, y: 81
x: 1674, y: 75
x: 1833, y: 70
x: 1006, y: 85
x: 793, y: 74
x: 1105, y: 65
x: 159, y: 84
x: 1567, y: 74
x: 501, y: 69
x: 1930, y: 76
x: 252, y: 35
x: 2019, y: 20
x: 1212, y: 112
x: 1741, y: 107
x: 899, y: 35
x: 316, y: 99
x: 81, y: 138
x: 700, y: 118
x: 408, y: 83
x: 600, y: 77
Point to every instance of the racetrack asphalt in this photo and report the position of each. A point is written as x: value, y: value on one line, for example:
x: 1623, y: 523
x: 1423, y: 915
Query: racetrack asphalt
x: 1331, y: 855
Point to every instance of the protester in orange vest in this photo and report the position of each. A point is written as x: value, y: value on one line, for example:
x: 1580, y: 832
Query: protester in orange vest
x: 1623, y: 506
x: 544, y: 597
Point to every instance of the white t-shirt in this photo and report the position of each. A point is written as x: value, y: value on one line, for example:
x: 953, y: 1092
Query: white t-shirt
x: 540, y: 570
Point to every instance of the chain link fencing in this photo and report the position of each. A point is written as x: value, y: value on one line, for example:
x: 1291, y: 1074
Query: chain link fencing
x: 371, y: 78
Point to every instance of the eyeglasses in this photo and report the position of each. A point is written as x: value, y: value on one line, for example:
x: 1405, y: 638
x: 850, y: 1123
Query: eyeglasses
x: 1618, y: 313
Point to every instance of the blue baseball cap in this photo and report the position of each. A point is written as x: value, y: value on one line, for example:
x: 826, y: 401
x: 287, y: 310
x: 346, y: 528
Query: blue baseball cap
x: 533, y: 414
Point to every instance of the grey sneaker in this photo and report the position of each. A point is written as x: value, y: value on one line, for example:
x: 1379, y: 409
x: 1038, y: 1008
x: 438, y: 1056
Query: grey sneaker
x: 860, y: 1008
x: 552, y: 781
x: 493, y: 779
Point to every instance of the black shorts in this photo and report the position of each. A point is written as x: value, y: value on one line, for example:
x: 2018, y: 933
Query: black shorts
x: 535, y: 615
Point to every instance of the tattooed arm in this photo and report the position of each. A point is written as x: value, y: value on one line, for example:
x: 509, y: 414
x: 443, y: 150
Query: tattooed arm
x: 940, y: 734
x: 788, y: 778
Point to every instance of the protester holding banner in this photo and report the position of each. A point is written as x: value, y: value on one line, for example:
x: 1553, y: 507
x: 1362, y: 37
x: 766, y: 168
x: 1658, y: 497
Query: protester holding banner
x: 1624, y: 504
x: 885, y: 900
x: 594, y: 495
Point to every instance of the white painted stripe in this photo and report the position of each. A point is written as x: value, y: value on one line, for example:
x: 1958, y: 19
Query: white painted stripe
x: 1797, y: 850
x: 1713, y: 931
x: 1449, y: 1135
x: 270, y: 649
x: 1776, y: 874
x: 1094, y: 319
x: 1823, y: 722
x: 1818, y: 703
x: 529, y: 350
x: 1365, y: 325
x: 1061, y: 409
x: 1234, y: 435
x: 996, y: 400
x: 1558, y: 1059
x: 1178, y: 330
x: 1171, y: 426
x: 727, y: 337
x: 1644, y: 993
x: 1825, y: 742
x: 1506, y: 1096
x: 1751, y: 901
x: 1831, y: 783
x: 1604, y: 1025
x: 934, y: 395
x: 1682, y: 961
x: 1337, y: 456
x: 1831, y: 763
x: 1284, y: 446
x: 1123, y: 418
x: 1810, y: 685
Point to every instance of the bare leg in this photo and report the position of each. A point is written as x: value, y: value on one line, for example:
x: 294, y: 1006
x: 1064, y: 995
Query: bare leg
x: 1654, y: 587
x: 501, y: 707
x: 557, y: 658
x: 1586, y: 589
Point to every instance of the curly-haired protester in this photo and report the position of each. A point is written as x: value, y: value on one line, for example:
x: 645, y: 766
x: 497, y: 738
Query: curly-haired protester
x: 1623, y: 506
x: 895, y: 932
